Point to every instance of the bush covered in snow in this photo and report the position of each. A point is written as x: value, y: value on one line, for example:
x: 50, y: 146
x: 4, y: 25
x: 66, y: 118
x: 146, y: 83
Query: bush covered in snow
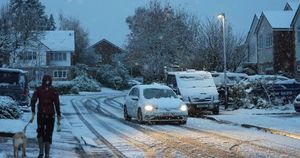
x: 80, y: 83
x: 113, y: 76
x: 9, y: 108
x: 65, y: 87
x: 249, y: 95
x: 86, y: 84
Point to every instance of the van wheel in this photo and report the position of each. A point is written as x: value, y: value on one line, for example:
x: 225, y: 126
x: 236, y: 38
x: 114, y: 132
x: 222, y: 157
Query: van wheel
x: 192, y: 111
x: 126, y: 116
x: 140, y: 116
x: 216, y: 111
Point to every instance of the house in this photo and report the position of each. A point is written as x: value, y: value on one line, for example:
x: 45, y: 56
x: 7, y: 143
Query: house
x: 251, y: 41
x: 52, y: 55
x: 272, y: 41
x: 274, y: 53
x: 104, y: 52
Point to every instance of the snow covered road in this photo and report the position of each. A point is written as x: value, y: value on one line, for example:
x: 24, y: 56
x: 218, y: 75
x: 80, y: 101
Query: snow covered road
x: 93, y: 126
x: 199, y: 138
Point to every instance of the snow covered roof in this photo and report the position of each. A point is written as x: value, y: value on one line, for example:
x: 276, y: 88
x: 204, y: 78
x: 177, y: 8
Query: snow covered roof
x: 279, y: 19
x: 59, y: 40
x: 292, y: 5
x: 12, y: 70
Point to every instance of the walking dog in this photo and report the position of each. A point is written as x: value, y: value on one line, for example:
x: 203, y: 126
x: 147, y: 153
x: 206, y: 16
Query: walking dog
x: 19, y: 141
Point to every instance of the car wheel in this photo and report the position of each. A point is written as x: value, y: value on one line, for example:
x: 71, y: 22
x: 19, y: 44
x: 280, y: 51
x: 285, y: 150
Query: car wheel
x: 126, y: 116
x: 192, y: 111
x: 216, y: 111
x: 140, y: 116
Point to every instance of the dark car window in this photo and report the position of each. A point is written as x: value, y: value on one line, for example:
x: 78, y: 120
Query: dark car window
x: 158, y: 93
x: 9, y: 77
x: 134, y: 92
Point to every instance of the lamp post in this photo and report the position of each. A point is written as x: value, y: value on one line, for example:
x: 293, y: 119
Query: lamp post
x: 222, y: 18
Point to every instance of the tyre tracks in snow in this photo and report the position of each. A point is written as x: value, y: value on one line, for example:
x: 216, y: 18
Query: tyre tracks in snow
x: 236, y: 143
x: 173, y: 143
x: 113, y: 149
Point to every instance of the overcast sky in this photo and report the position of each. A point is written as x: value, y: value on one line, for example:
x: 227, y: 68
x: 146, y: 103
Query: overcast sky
x: 106, y: 18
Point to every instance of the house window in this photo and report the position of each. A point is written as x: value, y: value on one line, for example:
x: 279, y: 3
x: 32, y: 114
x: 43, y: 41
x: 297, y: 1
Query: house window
x: 269, y: 40
x: 60, y: 74
x: 57, y: 56
x: 29, y: 55
x: 298, y: 35
x: 260, y: 41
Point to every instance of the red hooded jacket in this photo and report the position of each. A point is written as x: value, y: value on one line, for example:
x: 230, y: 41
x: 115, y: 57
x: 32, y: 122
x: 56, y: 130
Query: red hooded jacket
x: 48, y: 98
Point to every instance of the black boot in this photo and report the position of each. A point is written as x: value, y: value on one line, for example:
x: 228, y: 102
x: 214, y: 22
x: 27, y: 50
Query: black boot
x: 47, y: 149
x: 41, y: 146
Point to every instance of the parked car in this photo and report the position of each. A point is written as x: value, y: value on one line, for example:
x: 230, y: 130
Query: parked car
x: 152, y: 103
x: 197, y: 89
x: 13, y: 83
x: 133, y: 82
x: 279, y: 88
x: 297, y: 103
x: 232, y: 78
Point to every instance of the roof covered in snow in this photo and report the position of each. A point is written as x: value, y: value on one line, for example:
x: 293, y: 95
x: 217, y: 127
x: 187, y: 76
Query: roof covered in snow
x: 59, y: 40
x: 12, y: 70
x: 279, y: 19
x: 292, y: 5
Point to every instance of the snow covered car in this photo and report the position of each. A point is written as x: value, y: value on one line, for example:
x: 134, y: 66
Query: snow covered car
x: 297, y: 103
x: 13, y: 83
x: 232, y: 78
x: 197, y: 89
x: 153, y: 103
x: 133, y: 82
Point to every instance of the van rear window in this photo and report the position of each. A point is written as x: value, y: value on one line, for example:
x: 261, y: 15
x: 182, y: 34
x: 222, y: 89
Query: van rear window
x: 9, y: 78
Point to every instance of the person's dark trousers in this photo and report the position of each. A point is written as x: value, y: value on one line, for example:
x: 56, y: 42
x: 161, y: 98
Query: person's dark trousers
x: 45, y: 130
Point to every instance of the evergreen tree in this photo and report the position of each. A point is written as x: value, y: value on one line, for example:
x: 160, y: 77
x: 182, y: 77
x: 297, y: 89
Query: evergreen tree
x: 51, y: 23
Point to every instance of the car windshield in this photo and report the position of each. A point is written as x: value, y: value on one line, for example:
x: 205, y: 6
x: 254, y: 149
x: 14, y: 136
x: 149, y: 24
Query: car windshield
x: 150, y: 93
x: 195, y: 81
x: 9, y: 78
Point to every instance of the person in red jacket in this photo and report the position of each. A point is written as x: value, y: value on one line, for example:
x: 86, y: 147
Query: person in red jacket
x: 48, y: 105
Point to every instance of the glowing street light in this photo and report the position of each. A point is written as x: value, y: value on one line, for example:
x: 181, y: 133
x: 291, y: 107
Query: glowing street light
x: 222, y: 18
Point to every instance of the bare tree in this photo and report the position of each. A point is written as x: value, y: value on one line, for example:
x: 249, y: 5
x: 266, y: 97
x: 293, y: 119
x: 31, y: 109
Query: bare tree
x: 81, y: 38
x: 160, y: 36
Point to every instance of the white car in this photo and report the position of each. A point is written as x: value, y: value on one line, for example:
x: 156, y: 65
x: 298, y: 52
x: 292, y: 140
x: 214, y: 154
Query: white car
x: 297, y: 103
x: 152, y: 103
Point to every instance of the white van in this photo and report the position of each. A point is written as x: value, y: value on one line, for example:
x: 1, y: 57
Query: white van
x: 197, y: 89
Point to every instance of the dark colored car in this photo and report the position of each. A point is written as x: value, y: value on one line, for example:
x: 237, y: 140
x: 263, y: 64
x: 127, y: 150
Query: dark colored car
x: 13, y: 83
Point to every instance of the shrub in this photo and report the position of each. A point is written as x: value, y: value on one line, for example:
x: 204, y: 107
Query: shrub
x: 83, y: 83
x: 9, y: 108
x: 114, y: 77
x: 65, y: 87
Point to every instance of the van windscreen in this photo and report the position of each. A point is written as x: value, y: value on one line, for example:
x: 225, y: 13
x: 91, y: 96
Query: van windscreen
x: 9, y: 77
x: 194, y: 81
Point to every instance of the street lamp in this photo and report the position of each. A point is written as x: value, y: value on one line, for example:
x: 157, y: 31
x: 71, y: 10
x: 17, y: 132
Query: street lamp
x: 222, y: 18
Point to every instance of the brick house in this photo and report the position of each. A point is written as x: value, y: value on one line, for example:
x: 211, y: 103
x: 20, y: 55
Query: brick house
x: 51, y: 55
x: 104, y: 52
x: 272, y: 41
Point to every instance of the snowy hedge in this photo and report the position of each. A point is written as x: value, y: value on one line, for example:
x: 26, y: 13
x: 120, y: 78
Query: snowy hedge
x: 80, y: 83
x: 9, y: 108
x: 113, y: 76
x: 86, y: 84
x: 65, y: 87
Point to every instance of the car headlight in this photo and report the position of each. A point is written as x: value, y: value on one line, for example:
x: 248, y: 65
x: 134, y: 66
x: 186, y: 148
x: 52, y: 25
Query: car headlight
x: 149, y: 107
x: 183, y: 107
